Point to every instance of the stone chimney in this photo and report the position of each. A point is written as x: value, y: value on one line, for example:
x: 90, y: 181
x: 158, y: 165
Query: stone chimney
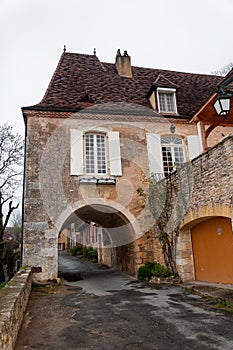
x: 123, y: 64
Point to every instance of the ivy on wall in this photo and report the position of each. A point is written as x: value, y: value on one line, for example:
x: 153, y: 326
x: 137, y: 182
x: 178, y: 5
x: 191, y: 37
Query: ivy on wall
x: 160, y: 205
x: 169, y: 201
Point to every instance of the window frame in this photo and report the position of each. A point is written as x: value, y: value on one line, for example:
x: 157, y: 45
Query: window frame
x: 166, y: 91
x: 172, y: 145
x: 113, y: 155
x: 97, y: 162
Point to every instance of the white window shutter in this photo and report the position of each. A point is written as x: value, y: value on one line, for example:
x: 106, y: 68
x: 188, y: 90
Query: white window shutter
x: 155, y: 156
x: 76, y: 152
x: 194, y: 148
x: 114, y: 153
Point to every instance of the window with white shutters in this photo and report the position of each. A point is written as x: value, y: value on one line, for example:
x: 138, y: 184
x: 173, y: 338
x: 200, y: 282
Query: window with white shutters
x: 95, y: 153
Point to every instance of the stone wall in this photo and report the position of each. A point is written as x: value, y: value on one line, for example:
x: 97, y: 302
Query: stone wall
x: 52, y: 194
x: 131, y: 256
x: 48, y: 171
x: 13, y: 301
x: 199, y: 190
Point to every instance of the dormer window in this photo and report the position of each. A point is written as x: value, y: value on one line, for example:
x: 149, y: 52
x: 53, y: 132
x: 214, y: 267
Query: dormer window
x: 166, y: 99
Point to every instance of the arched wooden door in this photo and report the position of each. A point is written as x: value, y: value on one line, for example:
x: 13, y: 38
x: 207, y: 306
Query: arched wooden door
x: 213, y: 250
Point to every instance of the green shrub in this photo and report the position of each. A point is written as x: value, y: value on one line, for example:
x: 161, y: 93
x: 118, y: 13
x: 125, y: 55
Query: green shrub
x: 84, y: 251
x: 150, y: 265
x: 144, y: 274
x: 75, y: 250
x: 92, y: 254
x: 88, y: 252
x: 2, y: 285
x: 160, y: 271
x: 150, y: 269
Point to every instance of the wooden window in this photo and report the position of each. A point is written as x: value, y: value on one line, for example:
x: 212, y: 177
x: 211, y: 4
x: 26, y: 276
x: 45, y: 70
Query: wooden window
x: 172, y: 153
x: 166, y: 100
x: 95, y: 154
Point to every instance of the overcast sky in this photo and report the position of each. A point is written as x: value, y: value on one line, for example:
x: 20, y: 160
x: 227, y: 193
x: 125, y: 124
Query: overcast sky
x: 183, y: 35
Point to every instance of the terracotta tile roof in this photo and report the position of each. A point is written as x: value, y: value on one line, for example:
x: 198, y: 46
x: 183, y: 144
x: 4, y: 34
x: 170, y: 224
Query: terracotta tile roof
x: 162, y: 81
x: 82, y: 80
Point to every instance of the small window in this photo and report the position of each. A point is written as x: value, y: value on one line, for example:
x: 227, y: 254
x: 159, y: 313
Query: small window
x: 166, y: 100
x: 95, y: 154
x: 172, y: 153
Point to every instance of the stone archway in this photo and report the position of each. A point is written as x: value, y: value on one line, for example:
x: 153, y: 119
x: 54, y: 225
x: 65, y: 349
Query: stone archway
x: 118, y: 227
x: 202, y: 213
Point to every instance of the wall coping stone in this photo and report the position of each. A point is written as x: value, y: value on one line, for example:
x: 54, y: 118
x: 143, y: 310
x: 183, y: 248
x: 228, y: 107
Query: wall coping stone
x: 13, y: 301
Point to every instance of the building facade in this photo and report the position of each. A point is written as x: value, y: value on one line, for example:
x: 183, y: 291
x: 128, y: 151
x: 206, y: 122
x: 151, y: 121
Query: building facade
x: 93, y: 143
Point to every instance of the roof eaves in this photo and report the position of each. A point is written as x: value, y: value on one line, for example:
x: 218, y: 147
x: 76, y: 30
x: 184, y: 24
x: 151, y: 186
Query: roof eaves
x: 51, y: 109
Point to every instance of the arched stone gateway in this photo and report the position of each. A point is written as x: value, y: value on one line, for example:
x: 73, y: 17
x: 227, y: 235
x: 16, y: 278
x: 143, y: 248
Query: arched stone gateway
x: 117, y: 225
x: 113, y: 230
x: 114, y: 222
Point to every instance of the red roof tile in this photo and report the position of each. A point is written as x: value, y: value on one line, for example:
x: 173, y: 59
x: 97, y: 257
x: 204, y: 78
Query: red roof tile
x: 82, y: 80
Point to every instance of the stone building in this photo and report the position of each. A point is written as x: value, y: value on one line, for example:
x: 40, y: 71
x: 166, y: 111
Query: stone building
x: 92, y: 144
x: 64, y: 239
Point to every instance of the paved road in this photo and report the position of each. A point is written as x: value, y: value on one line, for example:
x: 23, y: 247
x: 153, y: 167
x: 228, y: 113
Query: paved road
x: 103, y: 309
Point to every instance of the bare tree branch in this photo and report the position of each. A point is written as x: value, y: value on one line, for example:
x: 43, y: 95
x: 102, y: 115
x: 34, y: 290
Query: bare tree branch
x: 11, y: 164
x: 223, y: 70
x: 12, y: 176
x: 11, y: 208
x: 6, y: 199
